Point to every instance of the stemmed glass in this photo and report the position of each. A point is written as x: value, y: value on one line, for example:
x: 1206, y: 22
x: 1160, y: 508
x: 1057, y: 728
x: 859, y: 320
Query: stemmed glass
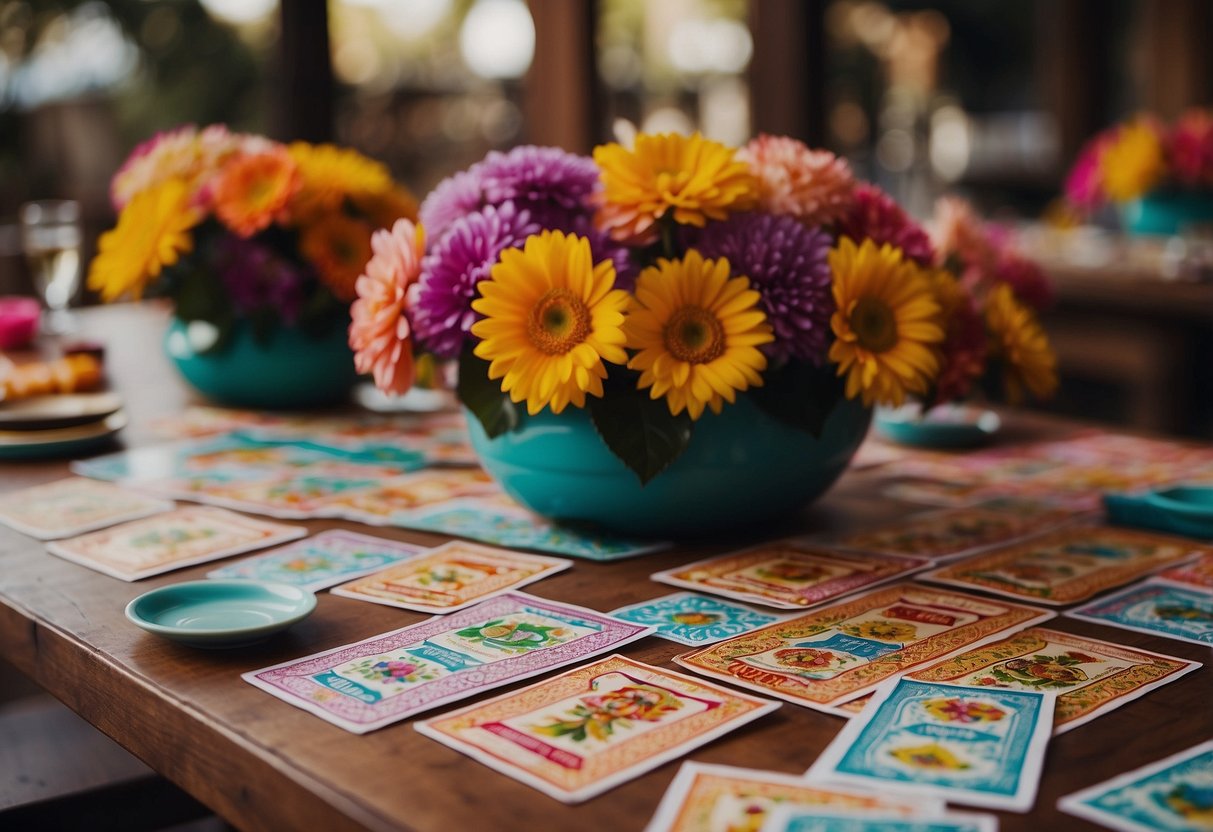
x: 50, y: 236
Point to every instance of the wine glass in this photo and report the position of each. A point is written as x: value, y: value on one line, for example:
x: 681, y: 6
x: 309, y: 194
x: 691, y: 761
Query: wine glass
x: 50, y: 236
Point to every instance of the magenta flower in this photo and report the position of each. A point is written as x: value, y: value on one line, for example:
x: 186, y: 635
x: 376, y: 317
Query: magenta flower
x: 875, y: 216
x: 553, y: 185
x: 456, y: 196
x: 786, y: 262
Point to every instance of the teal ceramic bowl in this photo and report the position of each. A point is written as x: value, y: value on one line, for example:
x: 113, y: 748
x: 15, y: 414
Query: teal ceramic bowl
x: 1167, y: 212
x: 1194, y: 501
x: 290, y: 370
x: 741, y: 467
x: 942, y: 427
x: 220, y: 614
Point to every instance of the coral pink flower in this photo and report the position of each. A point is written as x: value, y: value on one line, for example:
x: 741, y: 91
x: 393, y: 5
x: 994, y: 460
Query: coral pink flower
x: 1191, y: 148
x: 815, y: 186
x: 380, y: 333
x: 958, y: 234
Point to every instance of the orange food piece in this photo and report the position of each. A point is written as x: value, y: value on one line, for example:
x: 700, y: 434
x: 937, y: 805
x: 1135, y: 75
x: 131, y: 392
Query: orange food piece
x: 69, y: 374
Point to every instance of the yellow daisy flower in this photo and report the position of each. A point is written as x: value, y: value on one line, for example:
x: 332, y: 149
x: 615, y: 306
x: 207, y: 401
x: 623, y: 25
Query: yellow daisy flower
x: 887, y: 323
x: 330, y: 174
x: 153, y: 231
x: 1017, y: 339
x: 1133, y: 161
x: 551, y: 318
x: 690, y: 178
x: 698, y: 332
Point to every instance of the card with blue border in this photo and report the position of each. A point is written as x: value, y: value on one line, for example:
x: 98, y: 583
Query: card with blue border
x: 975, y: 746
x: 794, y: 818
x: 1159, y: 609
x: 692, y: 619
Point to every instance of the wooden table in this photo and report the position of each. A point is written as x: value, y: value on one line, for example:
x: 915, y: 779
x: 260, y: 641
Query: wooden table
x: 263, y: 764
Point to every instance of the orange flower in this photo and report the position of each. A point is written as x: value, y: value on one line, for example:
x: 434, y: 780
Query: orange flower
x: 338, y: 247
x: 253, y: 190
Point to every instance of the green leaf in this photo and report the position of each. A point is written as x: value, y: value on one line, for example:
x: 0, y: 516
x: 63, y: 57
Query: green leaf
x: 800, y: 395
x: 483, y: 396
x: 639, y: 430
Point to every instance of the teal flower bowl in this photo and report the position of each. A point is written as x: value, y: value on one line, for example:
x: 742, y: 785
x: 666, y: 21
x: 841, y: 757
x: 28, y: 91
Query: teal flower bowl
x: 741, y: 467
x: 1167, y: 212
x: 289, y: 370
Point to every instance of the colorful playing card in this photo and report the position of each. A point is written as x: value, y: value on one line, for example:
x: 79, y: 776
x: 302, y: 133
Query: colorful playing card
x: 395, y: 501
x: 74, y: 506
x: 789, y: 574
x: 829, y: 819
x: 328, y: 558
x: 588, y: 730
x: 1086, y: 676
x: 840, y: 652
x: 501, y: 521
x: 451, y: 577
x: 294, y: 496
x: 949, y: 493
x: 1174, y: 794
x: 1068, y: 565
x: 711, y: 798
x: 975, y: 746
x: 695, y: 620
x: 1158, y: 609
x: 951, y: 533
x: 1195, y: 575
x: 183, y: 537
x: 381, y: 680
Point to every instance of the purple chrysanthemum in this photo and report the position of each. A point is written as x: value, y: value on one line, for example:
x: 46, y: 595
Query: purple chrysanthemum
x: 464, y: 256
x: 786, y: 263
x: 550, y: 183
x: 255, y: 278
x: 456, y: 196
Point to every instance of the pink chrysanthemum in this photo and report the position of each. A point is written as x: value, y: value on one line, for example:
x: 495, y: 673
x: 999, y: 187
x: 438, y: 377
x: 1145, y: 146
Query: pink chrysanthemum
x: 380, y: 333
x: 456, y: 196
x: 815, y: 186
x: 958, y: 234
x: 184, y: 153
x: 1191, y: 148
x: 875, y: 216
x: 1084, y: 183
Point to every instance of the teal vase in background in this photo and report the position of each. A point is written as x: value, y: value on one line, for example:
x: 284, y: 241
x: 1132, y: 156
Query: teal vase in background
x: 741, y: 467
x: 289, y: 370
x: 1167, y: 212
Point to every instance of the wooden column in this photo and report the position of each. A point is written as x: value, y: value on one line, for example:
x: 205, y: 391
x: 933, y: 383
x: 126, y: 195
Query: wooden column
x: 304, y: 105
x: 1178, y: 60
x: 562, y: 99
x: 787, y: 72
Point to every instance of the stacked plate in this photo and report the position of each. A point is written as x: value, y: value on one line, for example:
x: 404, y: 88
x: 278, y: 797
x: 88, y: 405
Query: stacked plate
x: 57, y: 425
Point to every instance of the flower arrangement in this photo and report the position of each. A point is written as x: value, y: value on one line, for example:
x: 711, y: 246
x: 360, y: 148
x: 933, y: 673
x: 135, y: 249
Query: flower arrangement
x: 656, y: 284
x: 233, y: 227
x: 1132, y: 158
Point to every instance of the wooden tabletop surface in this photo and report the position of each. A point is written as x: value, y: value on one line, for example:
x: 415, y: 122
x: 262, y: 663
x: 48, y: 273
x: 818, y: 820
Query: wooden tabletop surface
x: 263, y: 764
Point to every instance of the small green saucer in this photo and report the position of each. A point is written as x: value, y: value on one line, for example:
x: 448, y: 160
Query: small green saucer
x: 220, y: 614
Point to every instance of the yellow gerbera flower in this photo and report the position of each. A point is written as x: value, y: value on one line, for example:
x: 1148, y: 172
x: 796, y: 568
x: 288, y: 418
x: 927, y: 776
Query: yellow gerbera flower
x: 1017, y: 339
x: 690, y: 178
x: 886, y: 324
x: 1133, y: 162
x: 153, y: 231
x: 330, y: 174
x: 698, y: 332
x: 551, y: 318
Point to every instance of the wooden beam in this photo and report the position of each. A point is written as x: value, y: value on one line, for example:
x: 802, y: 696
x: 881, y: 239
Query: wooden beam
x: 304, y: 103
x: 787, y: 72
x: 562, y: 98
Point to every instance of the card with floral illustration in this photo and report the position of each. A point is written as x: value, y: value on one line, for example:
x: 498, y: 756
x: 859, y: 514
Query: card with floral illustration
x: 831, y: 655
x: 831, y: 819
x: 955, y: 532
x: 73, y: 506
x: 712, y: 798
x: 974, y: 746
x: 939, y: 492
x: 1195, y: 575
x: 395, y: 501
x: 451, y: 577
x: 588, y: 730
x: 297, y: 496
x: 1068, y: 565
x: 1086, y: 676
x: 789, y: 574
x: 501, y: 521
x: 694, y: 620
x: 390, y: 677
x: 328, y: 558
x: 164, y: 542
x: 1159, y: 609
x: 1174, y: 794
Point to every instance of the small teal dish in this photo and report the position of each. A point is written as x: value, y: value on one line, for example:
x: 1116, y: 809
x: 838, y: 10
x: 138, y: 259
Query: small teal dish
x: 741, y: 467
x: 289, y: 370
x: 220, y: 614
x: 1167, y: 212
x: 1184, y: 510
x: 940, y: 427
